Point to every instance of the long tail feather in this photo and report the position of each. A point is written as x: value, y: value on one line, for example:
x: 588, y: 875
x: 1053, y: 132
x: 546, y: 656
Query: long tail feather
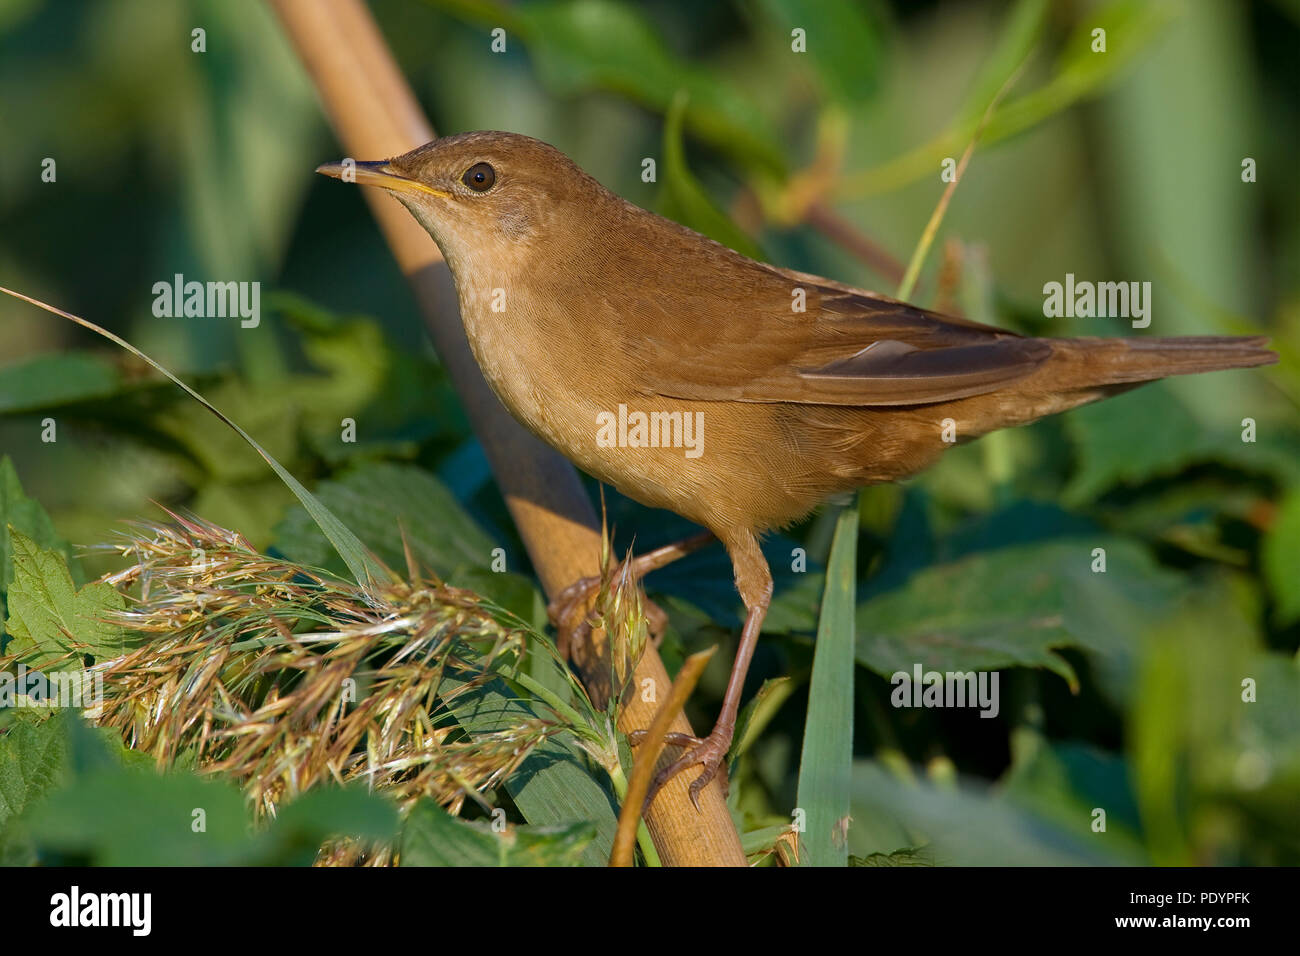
x: 1120, y: 361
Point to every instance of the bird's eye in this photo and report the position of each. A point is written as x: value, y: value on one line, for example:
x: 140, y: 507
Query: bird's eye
x: 480, y: 177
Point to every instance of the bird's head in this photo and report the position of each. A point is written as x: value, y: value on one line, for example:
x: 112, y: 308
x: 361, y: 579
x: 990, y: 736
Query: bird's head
x: 482, y: 194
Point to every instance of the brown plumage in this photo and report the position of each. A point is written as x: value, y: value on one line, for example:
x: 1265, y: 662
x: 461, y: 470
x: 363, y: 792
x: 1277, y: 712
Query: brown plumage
x: 580, y: 306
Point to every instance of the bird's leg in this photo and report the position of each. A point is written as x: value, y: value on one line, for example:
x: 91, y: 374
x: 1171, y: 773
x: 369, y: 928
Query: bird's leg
x: 754, y: 580
x: 570, y: 610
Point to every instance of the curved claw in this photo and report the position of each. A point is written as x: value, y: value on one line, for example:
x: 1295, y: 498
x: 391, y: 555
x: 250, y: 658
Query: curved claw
x: 699, y: 783
x: 711, y: 751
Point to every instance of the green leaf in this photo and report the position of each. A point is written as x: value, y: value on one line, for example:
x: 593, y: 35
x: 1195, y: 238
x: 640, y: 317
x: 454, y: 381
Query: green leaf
x: 433, y: 837
x: 759, y: 712
x: 71, y: 788
x: 48, y: 381
x: 26, y: 515
x: 117, y: 816
x: 380, y: 501
x: 1129, y: 439
x: 1011, y: 607
x: 554, y: 786
x: 359, y: 562
x: 50, y: 619
x: 33, y: 761
x: 843, y: 45
x: 383, y: 501
x: 128, y: 817
x: 398, y: 397
x: 760, y: 842
x: 969, y: 825
x: 685, y: 200
x: 1016, y: 41
x: 1281, y: 558
x: 1151, y: 433
x: 1064, y: 782
x: 827, y: 755
x: 220, y: 452
x: 581, y: 45
x: 1131, y: 26
x: 324, y: 813
x: 905, y: 856
x: 1214, y: 733
x: 41, y: 753
x: 512, y: 593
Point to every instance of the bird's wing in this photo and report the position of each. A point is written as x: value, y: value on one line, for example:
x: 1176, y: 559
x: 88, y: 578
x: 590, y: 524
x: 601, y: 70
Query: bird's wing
x: 846, y: 347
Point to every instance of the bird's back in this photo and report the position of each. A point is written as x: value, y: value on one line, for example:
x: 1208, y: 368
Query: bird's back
x: 802, y: 386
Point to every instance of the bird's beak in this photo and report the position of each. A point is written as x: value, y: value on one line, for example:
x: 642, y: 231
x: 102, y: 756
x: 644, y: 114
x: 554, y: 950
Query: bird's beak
x: 377, y: 174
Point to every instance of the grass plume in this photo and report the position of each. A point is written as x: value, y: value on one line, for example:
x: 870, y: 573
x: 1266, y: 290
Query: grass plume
x: 283, y: 677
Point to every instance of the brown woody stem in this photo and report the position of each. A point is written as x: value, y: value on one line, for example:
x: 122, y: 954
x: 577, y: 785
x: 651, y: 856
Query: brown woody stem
x: 376, y: 115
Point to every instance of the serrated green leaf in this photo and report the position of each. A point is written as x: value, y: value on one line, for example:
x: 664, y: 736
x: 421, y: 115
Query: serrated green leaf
x: 1129, y: 439
x: 27, y: 515
x: 324, y: 813
x: 50, y: 619
x: 1010, y: 607
x: 33, y: 761
x: 905, y: 856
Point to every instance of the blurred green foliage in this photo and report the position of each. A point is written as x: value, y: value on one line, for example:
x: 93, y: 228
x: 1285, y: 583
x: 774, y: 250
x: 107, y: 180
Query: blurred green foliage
x: 1122, y: 691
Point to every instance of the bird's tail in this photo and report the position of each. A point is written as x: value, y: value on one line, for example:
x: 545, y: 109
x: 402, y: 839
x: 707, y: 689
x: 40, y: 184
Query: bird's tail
x: 1084, y: 370
x: 1099, y: 362
x: 1076, y: 372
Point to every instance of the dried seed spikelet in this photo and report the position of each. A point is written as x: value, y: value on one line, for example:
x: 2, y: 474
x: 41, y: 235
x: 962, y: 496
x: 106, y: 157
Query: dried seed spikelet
x: 284, y: 677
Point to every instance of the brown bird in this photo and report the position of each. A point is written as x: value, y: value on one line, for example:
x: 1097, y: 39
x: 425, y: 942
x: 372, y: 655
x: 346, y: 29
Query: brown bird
x: 737, y: 394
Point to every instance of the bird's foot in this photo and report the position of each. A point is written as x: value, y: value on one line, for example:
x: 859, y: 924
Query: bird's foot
x: 708, y: 751
x: 571, y: 611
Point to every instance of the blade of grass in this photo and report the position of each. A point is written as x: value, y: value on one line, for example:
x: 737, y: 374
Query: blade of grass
x: 936, y: 217
x: 826, y: 761
x: 1131, y: 25
x: 643, y: 839
x: 825, y: 765
x: 758, y: 713
x: 1021, y: 30
x: 360, y: 562
x: 648, y: 754
x: 685, y: 200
